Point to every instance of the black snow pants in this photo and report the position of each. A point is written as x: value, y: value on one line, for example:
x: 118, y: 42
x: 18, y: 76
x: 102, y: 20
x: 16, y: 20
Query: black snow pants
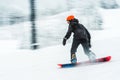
x: 84, y: 43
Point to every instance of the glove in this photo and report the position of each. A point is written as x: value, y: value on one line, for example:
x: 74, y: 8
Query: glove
x: 64, y: 41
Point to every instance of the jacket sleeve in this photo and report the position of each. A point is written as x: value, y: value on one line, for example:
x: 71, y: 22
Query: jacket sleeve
x: 89, y: 36
x: 69, y: 32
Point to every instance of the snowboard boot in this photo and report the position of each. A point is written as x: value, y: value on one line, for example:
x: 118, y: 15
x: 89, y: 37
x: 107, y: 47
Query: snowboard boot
x: 92, y: 57
x: 73, y: 59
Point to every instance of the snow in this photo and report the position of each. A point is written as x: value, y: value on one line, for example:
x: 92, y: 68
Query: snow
x: 19, y: 64
x: 111, y: 25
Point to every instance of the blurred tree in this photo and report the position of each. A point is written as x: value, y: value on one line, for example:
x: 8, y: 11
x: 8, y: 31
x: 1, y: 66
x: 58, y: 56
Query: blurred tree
x: 33, y: 27
x: 109, y: 4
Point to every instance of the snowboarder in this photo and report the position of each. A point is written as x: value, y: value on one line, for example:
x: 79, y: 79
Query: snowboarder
x: 81, y: 36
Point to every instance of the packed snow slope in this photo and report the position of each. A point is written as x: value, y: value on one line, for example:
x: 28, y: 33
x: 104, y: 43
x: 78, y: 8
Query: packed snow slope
x: 16, y: 64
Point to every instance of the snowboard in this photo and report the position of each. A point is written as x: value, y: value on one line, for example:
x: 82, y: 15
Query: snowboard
x: 98, y: 60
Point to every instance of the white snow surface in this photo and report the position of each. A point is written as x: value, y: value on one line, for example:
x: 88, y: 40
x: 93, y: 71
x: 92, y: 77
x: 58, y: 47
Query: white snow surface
x: 17, y: 64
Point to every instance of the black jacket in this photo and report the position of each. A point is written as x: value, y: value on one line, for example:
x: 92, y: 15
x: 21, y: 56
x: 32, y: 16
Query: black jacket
x: 73, y: 27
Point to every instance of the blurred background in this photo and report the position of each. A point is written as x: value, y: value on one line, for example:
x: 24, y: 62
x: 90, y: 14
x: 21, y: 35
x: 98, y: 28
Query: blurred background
x: 50, y: 19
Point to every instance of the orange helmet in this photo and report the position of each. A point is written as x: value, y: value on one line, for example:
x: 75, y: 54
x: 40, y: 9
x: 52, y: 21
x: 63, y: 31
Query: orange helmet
x: 70, y: 17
